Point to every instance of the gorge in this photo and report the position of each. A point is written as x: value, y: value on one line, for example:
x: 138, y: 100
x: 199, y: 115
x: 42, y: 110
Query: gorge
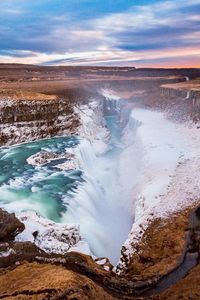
x: 114, y: 169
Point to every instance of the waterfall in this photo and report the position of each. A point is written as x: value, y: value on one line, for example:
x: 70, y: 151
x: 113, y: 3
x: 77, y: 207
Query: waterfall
x: 98, y: 195
x: 86, y: 155
x: 102, y: 204
x: 188, y: 95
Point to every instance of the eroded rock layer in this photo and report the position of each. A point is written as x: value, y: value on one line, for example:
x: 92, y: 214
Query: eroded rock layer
x: 167, y: 257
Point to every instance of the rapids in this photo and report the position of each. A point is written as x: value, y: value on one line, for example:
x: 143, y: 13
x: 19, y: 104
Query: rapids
x: 96, y: 195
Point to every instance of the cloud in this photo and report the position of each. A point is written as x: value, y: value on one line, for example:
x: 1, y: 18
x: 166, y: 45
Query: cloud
x: 170, y: 57
x: 8, y: 8
x: 11, y: 11
x: 17, y: 53
x: 87, y: 32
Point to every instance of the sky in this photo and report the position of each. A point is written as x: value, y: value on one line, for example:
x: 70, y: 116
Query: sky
x: 145, y: 33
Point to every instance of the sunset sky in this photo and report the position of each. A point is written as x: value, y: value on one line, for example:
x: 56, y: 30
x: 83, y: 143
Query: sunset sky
x: 137, y: 33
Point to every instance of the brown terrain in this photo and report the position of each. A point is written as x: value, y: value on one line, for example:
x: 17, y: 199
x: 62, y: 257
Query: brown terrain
x: 48, y: 94
x: 192, y: 85
x: 167, y: 255
x: 165, y: 264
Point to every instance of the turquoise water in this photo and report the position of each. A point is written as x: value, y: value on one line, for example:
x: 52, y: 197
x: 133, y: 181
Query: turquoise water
x: 45, y: 188
x: 40, y: 188
x: 92, y: 196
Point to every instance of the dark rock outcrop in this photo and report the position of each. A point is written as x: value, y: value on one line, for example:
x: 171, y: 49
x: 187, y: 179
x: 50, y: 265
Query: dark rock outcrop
x: 151, y: 267
x: 10, y: 226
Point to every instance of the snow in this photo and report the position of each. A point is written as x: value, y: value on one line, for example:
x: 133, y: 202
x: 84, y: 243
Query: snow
x: 24, y: 131
x: 163, y: 175
x: 104, y: 263
x: 49, y: 236
x: 7, y: 253
x: 20, y: 132
x: 101, y: 261
x: 109, y: 94
x: 68, y: 165
x: 165, y: 144
x: 81, y: 247
x: 92, y: 126
x: 44, y: 157
x: 6, y: 103
x: 167, y: 182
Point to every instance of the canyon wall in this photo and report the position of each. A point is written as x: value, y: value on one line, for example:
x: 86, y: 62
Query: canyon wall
x: 22, y: 121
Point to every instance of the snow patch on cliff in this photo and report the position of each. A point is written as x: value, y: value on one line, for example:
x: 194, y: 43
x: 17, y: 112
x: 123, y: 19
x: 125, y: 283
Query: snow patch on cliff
x: 45, y: 157
x: 93, y: 126
x: 110, y: 94
x: 168, y: 181
x: 49, y: 236
x: 20, y: 132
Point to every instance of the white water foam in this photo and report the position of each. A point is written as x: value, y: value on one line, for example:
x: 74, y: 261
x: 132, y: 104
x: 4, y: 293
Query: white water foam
x: 102, y: 204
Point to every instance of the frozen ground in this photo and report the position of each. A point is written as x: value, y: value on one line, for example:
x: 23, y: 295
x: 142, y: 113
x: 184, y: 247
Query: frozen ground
x: 151, y: 172
x: 47, y: 235
x: 93, y: 126
x: 168, y: 179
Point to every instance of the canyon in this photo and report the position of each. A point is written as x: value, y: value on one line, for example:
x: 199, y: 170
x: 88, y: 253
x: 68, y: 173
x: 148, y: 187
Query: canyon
x: 100, y: 167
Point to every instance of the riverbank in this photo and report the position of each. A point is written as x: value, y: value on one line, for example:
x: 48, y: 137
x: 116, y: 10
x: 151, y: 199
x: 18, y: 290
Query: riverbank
x: 168, y: 183
x: 165, y: 193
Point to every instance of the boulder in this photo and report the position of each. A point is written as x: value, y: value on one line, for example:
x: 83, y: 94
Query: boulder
x: 10, y: 226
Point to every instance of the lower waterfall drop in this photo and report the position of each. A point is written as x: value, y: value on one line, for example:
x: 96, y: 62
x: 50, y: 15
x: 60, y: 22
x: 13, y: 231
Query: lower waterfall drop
x: 102, y: 203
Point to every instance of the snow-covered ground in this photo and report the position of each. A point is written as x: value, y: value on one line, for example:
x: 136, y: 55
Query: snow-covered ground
x: 20, y: 132
x: 92, y: 126
x: 50, y: 236
x: 39, y: 126
x: 168, y: 179
x: 159, y: 167
x: 44, y: 157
